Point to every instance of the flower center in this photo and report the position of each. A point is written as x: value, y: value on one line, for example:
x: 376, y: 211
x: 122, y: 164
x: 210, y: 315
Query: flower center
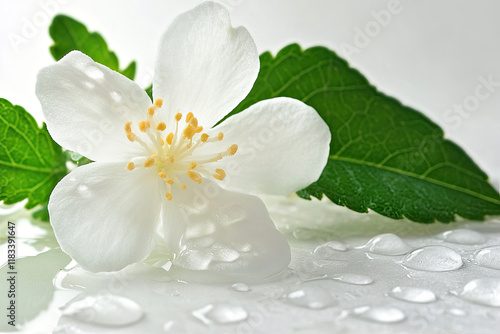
x: 172, y: 155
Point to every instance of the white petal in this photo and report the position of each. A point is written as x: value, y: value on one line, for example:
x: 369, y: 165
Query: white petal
x: 104, y: 216
x: 86, y: 106
x: 227, y: 236
x: 283, y: 146
x: 204, y: 65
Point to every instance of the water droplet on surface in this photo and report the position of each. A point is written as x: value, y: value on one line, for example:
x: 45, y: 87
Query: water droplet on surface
x: 379, y: 314
x: 488, y: 257
x: 414, y: 295
x: 353, y: 279
x: 221, y: 313
x: 313, y: 297
x: 108, y: 310
x: 387, y: 244
x: 484, y: 291
x: 456, y: 311
x: 329, y: 250
x: 84, y: 191
x: 241, y: 287
x: 463, y: 236
x: 173, y: 327
x: 433, y: 258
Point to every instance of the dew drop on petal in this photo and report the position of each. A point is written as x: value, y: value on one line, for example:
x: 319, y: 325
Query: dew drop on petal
x: 108, y: 310
x: 379, y: 314
x: 173, y: 327
x: 94, y: 72
x: 241, y: 287
x: 84, y: 191
x: 412, y: 294
x: 488, y: 257
x: 313, y: 297
x: 484, y: 291
x: 220, y: 313
x: 355, y: 279
x: 433, y: 258
x: 387, y: 244
x: 463, y: 236
x: 457, y: 312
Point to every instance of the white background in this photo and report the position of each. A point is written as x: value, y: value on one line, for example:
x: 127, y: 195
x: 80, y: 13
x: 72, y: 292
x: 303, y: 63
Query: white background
x: 429, y: 54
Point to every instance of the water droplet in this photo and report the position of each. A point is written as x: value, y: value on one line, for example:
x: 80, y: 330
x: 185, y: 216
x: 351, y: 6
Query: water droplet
x: 379, y: 314
x: 414, y: 295
x: 353, y: 279
x: 488, y: 257
x: 463, y: 236
x: 241, y: 287
x: 484, y: 291
x: 387, y: 244
x: 173, y: 327
x: 329, y: 250
x: 221, y: 313
x: 456, y: 311
x: 313, y: 297
x: 433, y: 258
x: 106, y: 310
x: 84, y: 191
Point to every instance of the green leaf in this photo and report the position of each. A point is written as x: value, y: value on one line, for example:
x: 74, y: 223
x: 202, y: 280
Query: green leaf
x: 69, y: 34
x: 149, y: 91
x: 76, y: 158
x: 31, y: 163
x: 384, y: 156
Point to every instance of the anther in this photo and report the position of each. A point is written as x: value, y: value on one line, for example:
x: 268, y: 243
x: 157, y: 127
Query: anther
x: 171, y: 159
x: 194, y: 122
x: 131, y: 166
x: 178, y: 116
x: 162, y: 175
x: 194, y: 176
x: 183, y: 186
x: 144, y: 125
x: 220, y: 136
x: 189, y: 116
x: 189, y: 132
x: 168, y: 196
x: 149, y: 162
x: 158, y: 103
x: 204, y: 137
x: 151, y: 110
x: 232, y: 149
x: 169, y: 138
x: 161, y: 126
x: 128, y: 127
x: 170, y: 181
x: 131, y: 136
x: 199, y: 129
x: 220, y: 174
x: 192, y: 165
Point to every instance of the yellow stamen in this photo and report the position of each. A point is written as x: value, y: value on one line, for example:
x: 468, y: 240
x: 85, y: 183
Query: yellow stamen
x: 192, y: 165
x: 151, y: 110
x: 178, y: 116
x: 189, y: 116
x: 128, y: 127
x: 171, y: 159
x: 158, y: 103
x: 194, y: 176
x: 183, y: 186
x: 194, y: 122
x: 149, y: 162
x: 131, y: 166
x: 170, y: 181
x: 169, y: 138
x: 162, y: 175
x: 204, y: 137
x: 220, y: 136
x: 162, y: 142
x: 168, y: 196
x: 220, y: 174
x: 189, y: 132
x: 232, y: 149
x: 131, y: 136
x: 144, y: 125
x: 199, y: 129
x: 161, y: 126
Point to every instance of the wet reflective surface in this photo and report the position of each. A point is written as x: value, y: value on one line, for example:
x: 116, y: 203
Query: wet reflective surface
x: 350, y: 273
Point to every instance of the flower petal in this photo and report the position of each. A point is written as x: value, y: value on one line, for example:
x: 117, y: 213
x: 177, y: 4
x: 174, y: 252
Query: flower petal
x: 86, y: 106
x: 204, y: 65
x: 283, y: 146
x: 104, y: 216
x: 227, y: 236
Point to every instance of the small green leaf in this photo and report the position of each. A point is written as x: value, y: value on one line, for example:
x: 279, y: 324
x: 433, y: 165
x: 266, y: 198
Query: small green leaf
x: 383, y: 156
x: 149, y: 91
x: 76, y: 158
x: 31, y: 163
x: 69, y: 34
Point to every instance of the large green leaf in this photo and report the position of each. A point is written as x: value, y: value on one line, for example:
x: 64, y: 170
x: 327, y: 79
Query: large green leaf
x: 69, y: 34
x: 31, y: 163
x: 384, y: 156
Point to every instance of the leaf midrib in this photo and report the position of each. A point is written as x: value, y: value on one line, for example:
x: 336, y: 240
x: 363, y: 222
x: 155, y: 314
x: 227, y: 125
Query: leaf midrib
x: 416, y: 176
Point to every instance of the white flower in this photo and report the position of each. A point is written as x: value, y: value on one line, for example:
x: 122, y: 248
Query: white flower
x: 163, y: 173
